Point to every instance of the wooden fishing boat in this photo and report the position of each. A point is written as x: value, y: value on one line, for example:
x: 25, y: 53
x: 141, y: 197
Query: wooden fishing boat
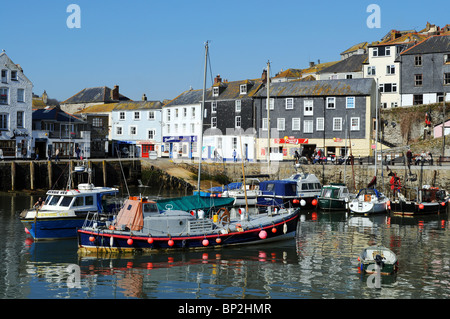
x: 427, y: 200
x: 380, y: 256
x: 141, y: 226
x: 334, y: 197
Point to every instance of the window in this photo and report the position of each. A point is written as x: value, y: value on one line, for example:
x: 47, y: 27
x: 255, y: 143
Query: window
x: 20, y: 115
x: 446, y: 58
x: 320, y: 124
x: 417, y: 99
x: 176, y: 113
x: 4, y: 76
x: 213, y: 122
x: 121, y: 116
x: 213, y: 107
x: 234, y: 141
x: 243, y: 89
x: 331, y: 102
x: 193, y: 112
x: 119, y: 130
x: 370, y: 70
x: 137, y: 116
x: 151, y: 134
x: 133, y: 130
x: 388, y: 87
x: 337, y: 123
x: 418, y: 79
x: 14, y: 75
x: 20, y: 95
x: 264, y: 124
x: 354, y: 124
x: 280, y: 124
x: 272, y: 103
x: 381, y: 51
x: 418, y: 60
x: 349, y: 76
x: 289, y: 103
x: 175, y: 128
x: 184, y: 128
x: 215, y: 91
x: 151, y: 115
x: 89, y: 200
x: 192, y: 128
x: 168, y: 115
x: 308, y: 107
x: 237, y: 121
x: 97, y: 122
x: 185, y: 112
x: 390, y: 69
x: 446, y: 78
x: 296, y: 124
x: 3, y: 95
x: 350, y: 102
x: 168, y: 128
x: 237, y: 106
x: 307, y: 126
x: 4, y: 121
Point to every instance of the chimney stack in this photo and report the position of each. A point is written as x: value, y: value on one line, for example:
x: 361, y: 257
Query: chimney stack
x: 217, y: 79
x: 115, y: 93
x: 311, y: 64
x: 144, y: 97
x: 264, y: 76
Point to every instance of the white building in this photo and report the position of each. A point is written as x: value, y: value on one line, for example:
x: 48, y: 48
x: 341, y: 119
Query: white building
x: 181, y: 125
x: 15, y: 110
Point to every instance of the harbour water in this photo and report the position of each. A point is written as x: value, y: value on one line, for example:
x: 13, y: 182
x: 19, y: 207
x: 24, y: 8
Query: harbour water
x: 320, y: 263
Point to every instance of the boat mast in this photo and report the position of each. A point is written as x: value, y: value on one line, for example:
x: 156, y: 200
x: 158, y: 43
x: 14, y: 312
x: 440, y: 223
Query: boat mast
x: 268, y: 117
x: 376, y: 131
x: 202, y: 110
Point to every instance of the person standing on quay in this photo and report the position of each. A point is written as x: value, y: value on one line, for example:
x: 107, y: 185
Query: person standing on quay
x: 57, y: 155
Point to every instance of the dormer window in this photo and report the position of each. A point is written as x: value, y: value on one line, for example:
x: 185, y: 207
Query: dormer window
x: 14, y: 75
x: 243, y: 89
x: 215, y: 91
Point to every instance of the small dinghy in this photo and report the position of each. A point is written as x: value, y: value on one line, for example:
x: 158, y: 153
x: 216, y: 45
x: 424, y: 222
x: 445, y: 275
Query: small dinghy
x: 378, y: 255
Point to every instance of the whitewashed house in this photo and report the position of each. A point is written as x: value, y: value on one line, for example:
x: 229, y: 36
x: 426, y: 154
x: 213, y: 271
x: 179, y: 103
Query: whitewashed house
x: 15, y: 110
x: 136, y: 128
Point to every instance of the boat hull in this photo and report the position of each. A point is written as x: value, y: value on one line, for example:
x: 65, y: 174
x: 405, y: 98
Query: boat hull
x: 411, y: 208
x: 331, y: 204
x: 108, y: 241
x: 53, y: 228
x: 387, y: 269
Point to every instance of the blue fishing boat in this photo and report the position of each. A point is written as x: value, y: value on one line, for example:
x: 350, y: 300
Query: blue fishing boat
x: 278, y: 193
x: 64, y: 211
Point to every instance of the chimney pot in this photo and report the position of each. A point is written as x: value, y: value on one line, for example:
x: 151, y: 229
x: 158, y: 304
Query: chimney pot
x: 217, y: 79
x: 115, y: 93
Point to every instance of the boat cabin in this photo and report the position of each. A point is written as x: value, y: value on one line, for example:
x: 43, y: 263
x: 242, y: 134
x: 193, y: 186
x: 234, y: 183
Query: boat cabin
x: 334, y: 191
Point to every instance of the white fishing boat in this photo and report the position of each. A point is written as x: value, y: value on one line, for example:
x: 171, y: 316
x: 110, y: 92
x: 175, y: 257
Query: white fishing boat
x: 369, y: 201
x: 251, y: 187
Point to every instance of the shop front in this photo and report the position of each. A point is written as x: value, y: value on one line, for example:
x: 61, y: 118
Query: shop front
x: 180, y: 146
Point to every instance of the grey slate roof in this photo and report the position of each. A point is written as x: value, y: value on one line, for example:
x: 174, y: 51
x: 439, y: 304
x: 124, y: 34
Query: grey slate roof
x: 100, y: 94
x: 320, y: 88
x: 188, y: 97
x: 54, y: 114
x: 435, y: 44
x: 353, y: 63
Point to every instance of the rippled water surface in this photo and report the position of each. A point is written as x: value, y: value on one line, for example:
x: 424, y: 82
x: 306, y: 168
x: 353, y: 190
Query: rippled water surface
x: 321, y: 263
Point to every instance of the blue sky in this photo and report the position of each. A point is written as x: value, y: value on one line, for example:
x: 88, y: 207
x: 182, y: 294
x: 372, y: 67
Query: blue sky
x: 157, y: 47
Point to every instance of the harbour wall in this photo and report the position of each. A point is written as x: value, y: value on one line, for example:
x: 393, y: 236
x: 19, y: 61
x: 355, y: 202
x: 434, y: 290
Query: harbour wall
x: 43, y: 175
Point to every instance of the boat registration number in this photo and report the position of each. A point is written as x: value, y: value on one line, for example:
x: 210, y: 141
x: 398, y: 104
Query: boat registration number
x: 53, y: 214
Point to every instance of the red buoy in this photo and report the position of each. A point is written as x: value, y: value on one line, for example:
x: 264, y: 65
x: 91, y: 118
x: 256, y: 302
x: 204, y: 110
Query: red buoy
x: 130, y: 241
x: 218, y: 240
x: 263, y: 234
x: 170, y: 242
x: 314, y: 202
x: 421, y: 206
x: 274, y: 230
x: 150, y: 240
x: 205, y: 242
x: 91, y: 238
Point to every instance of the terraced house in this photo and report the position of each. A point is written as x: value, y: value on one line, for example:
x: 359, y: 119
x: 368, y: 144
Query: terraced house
x: 332, y: 115
x: 230, y: 123
x: 15, y: 110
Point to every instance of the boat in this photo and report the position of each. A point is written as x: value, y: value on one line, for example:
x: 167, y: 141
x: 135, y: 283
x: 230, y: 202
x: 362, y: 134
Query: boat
x: 334, y: 197
x: 380, y: 256
x: 427, y: 200
x: 278, y: 193
x: 64, y: 211
x: 308, y: 188
x: 369, y: 201
x: 240, y: 194
x: 140, y: 227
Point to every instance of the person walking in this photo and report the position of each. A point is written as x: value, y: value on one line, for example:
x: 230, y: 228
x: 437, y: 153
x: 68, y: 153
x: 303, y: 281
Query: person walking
x: 57, y: 155
x: 234, y: 155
